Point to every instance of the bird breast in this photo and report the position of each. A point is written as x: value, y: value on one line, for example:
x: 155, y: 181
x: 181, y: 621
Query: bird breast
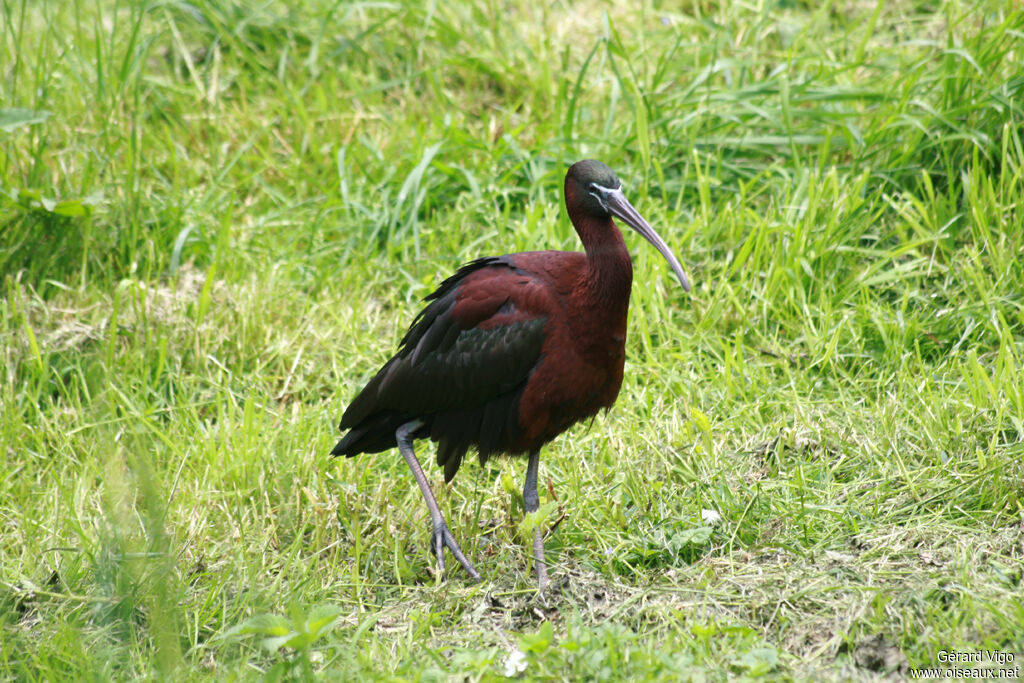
x: 580, y: 373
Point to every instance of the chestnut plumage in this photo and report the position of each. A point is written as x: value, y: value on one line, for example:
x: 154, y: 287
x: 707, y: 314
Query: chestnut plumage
x: 510, y: 352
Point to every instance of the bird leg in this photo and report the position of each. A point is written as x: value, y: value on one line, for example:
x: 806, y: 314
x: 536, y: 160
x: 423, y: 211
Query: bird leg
x: 532, y: 502
x: 442, y: 538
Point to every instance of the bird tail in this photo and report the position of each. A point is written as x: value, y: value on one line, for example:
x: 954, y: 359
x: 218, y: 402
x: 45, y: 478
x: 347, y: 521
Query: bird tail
x: 348, y: 446
x: 372, y: 435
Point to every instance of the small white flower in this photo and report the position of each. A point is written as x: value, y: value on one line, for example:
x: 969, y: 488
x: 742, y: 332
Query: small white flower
x: 515, y: 663
x: 710, y: 517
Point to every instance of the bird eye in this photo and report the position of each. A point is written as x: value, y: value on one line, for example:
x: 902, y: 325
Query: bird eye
x: 598, y: 192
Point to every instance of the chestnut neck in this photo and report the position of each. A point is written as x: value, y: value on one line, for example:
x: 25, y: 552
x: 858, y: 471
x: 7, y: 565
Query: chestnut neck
x: 609, y: 275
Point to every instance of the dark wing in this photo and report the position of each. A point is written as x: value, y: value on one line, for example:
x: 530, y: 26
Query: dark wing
x: 460, y: 369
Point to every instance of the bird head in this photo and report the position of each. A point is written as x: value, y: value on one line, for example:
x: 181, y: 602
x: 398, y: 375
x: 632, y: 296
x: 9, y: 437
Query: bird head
x: 597, y: 192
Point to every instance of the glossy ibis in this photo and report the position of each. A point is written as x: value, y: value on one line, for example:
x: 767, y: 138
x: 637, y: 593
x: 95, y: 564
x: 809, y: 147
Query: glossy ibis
x: 510, y: 352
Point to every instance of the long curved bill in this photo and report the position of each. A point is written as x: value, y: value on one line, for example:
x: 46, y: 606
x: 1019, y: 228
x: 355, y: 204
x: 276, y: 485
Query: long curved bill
x: 619, y: 206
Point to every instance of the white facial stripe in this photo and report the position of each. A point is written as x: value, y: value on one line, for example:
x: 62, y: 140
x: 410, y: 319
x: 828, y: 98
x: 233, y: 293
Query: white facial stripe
x: 601, y: 194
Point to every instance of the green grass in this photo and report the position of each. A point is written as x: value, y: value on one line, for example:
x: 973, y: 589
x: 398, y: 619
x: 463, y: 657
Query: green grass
x: 218, y: 218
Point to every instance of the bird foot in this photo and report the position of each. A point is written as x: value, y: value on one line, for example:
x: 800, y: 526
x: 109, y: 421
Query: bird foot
x: 441, y: 539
